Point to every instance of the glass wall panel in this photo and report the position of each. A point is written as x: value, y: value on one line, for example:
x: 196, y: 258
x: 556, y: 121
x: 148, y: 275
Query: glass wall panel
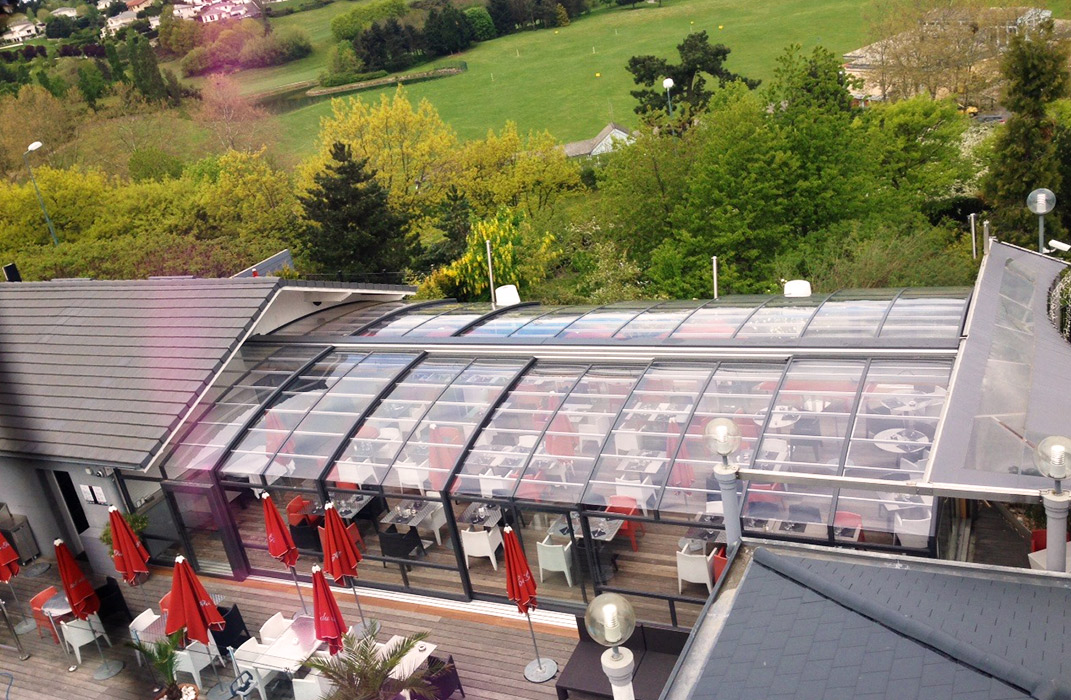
x: 851, y: 314
x: 414, y: 530
x: 161, y: 537
x: 657, y: 322
x: 788, y: 511
x: 202, y: 526
x: 555, y: 556
x: 250, y: 379
x: 504, y: 446
x: 718, y: 320
x: 342, y: 320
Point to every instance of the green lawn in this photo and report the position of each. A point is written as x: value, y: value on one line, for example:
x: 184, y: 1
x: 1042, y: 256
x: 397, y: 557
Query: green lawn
x: 572, y: 81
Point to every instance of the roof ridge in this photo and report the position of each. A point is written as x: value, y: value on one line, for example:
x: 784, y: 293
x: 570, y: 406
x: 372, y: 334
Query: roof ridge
x: 993, y: 665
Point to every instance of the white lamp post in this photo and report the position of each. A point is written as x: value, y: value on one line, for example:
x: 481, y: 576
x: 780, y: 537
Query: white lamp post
x: 668, y: 85
x: 40, y: 200
x: 723, y: 437
x: 1054, y: 461
x: 1041, y: 202
x: 610, y: 620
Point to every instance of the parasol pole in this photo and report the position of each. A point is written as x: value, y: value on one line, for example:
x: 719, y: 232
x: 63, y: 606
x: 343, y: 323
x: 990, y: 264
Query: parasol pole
x: 539, y: 659
x: 364, y: 623
x: 27, y: 624
x: 107, y: 669
x: 304, y: 608
x: 538, y: 670
x: 23, y: 655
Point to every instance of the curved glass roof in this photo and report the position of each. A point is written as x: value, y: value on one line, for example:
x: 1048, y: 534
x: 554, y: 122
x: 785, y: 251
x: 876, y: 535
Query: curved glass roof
x: 896, y: 317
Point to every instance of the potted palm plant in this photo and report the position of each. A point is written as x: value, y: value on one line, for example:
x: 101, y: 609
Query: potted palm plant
x: 361, y: 671
x: 161, y: 656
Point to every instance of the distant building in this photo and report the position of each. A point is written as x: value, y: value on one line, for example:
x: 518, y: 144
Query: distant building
x: 185, y: 11
x: 114, y: 24
x: 65, y: 12
x: 603, y: 142
x: 18, y: 32
x: 228, y: 10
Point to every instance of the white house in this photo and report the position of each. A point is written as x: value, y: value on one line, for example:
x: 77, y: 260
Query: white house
x: 185, y: 11
x: 603, y: 142
x: 228, y: 10
x: 69, y: 12
x: 18, y: 32
x: 123, y: 19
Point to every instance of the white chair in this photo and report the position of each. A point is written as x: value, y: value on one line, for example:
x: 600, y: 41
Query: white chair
x: 914, y: 534
x: 138, y: 627
x: 245, y: 658
x: 695, y: 568
x: 435, y: 521
x: 481, y: 543
x: 715, y: 507
x: 411, y: 477
x: 309, y: 688
x: 555, y: 557
x: 274, y: 628
x: 193, y: 659
x: 639, y: 490
x: 490, y: 482
x: 78, y: 633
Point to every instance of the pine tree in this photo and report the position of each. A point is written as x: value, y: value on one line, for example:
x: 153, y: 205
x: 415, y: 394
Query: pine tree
x: 501, y: 16
x: 144, y: 69
x: 118, y: 69
x: 1024, y: 156
x: 351, y: 227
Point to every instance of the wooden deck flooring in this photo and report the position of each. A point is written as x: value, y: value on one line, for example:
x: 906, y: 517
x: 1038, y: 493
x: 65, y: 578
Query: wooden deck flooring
x: 490, y: 652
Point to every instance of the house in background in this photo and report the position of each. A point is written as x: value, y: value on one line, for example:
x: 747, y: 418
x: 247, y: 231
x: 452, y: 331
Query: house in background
x: 68, y: 12
x: 185, y: 11
x: 603, y: 142
x: 18, y: 32
x: 228, y: 10
x: 114, y: 24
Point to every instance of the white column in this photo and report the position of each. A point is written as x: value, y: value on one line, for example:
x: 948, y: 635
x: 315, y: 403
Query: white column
x: 619, y: 671
x: 730, y: 501
x: 1056, y: 505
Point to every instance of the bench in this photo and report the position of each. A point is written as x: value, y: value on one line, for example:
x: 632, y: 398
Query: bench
x: 655, y: 650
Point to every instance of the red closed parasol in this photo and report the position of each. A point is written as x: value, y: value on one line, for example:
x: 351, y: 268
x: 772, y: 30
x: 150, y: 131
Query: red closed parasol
x: 129, y: 554
x: 341, y: 555
x: 190, y: 607
x: 521, y: 589
x: 281, y: 543
x: 9, y: 561
x: 330, y: 627
x: 84, y: 602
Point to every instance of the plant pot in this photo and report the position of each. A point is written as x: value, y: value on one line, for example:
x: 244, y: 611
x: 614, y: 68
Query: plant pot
x: 163, y: 693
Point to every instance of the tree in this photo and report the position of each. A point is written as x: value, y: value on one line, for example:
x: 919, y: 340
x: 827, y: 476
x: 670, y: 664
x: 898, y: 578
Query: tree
x: 361, y: 672
x: 1024, y: 153
x: 447, y: 30
x: 91, y: 84
x: 145, y: 72
x: 483, y: 26
x: 232, y: 118
x: 115, y: 63
x: 502, y: 17
x: 562, y: 16
x: 153, y: 164
x: 698, y: 59
x: 59, y: 27
x: 351, y: 228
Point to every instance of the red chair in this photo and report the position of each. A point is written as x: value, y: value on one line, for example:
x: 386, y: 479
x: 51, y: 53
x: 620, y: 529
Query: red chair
x: 848, y: 519
x: 165, y: 602
x: 351, y: 530
x: 761, y: 493
x: 294, y: 514
x: 36, y: 604
x: 720, y: 562
x: 346, y: 485
x: 626, y: 505
x: 1039, y: 539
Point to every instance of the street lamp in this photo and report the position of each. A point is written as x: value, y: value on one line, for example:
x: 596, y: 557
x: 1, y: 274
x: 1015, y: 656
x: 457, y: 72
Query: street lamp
x: 723, y: 437
x: 1053, y: 457
x: 40, y: 200
x: 668, y: 84
x: 610, y: 620
x: 1041, y: 201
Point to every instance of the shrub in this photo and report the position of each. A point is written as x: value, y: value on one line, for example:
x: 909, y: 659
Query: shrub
x: 348, y: 26
x: 482, y: 24
x: 196, y: 62
x: 562, y: 16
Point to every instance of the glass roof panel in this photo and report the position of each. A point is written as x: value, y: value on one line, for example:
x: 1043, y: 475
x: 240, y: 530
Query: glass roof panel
x: 784, y: 318
x: 503, y: 448
x: 718, y: 320
x: 603, y: 322
x: 299, y: 432
x: 657, y: 322
x: 504, y: 324
x: 927, y: 313
x: 248, y: 380
x: 740, y: 392
x: 851, y: 314
x: 341, y: 320
x: 565, y: 453
x: 551, y: 323
x: 450, y: 322
x: 402, y: 324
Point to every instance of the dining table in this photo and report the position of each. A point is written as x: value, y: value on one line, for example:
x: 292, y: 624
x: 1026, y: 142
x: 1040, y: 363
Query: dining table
x: 291, y: 649
x: 481, y: 515
x: 414, y: 659
x: 347, y: 508
x: 903, y: 441
x: 602, y: 529
x: 783, y: 417
x: 409, y: 513
x: 708, y: 530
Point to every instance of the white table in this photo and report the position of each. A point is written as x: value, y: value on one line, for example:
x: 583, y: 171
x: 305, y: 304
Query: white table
x: 783, y: 417
x: 57, y: 606
x: 901, y: 441
x: 410, y: 662
x: 1037, y: 559
x: 287, y: 653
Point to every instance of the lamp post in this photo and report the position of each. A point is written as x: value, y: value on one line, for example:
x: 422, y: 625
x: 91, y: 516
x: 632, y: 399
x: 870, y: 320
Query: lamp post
x: 1041, y: 202
x: 668, y: 85
x: 610, y: 620
x: 1054, y: 461
x: 723, y: 437
x: 40, y: 200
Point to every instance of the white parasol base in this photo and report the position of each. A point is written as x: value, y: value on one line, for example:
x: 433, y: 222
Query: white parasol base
x: 535, y: 674
x: 219, y: 692
x: 107, y: 669
x: 25, y: 626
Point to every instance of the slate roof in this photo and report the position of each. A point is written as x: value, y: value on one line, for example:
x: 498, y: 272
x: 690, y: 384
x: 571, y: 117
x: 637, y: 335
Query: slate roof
x: 804, y: 628
x: 102, y: 371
